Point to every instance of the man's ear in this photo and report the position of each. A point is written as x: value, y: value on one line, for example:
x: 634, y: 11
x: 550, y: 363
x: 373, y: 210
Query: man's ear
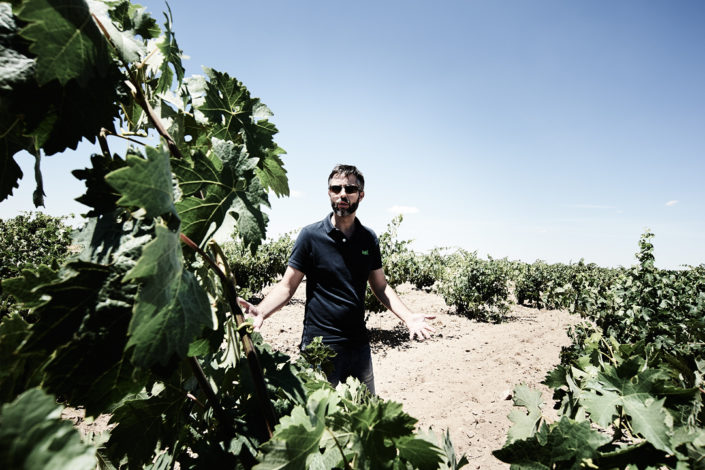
x: 362, y: 195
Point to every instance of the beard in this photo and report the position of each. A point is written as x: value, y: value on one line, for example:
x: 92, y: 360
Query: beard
x: 345, y: 211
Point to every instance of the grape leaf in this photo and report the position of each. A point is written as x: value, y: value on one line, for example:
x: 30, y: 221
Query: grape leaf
x: 272, y: 174
x: 171, y: 309
x: 131, y: 17
x: 420, y: 453
x: 48, y: 100
x: 377, y: 424
x: 297, y: 438
x: 65, y: 40
x: 235, y: 116
x: 293, y: 446
x: 251, y: 221
x: 145, y: 183
x: 651, y: 420
x: 230, y: 109
x: 81, y: 330
x: 601, y: 406
x: 22, y: 288
x: 172, y: 56
x: 569, y: 442
x: 180, y: 123
x: 34, y: 116
x: 145, y: 418
x: 100, y: 196
x: 33, y: 435
x: 15, y: 66
x: 71, y: 298
x: 610, y: 389
x: 221, y: 180
x: 10, y: 172
x: 123, y: 40
x: 525, y: 423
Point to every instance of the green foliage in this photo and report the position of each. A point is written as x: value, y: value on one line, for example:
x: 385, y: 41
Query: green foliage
x: 319, y: 355
x: 531, y: 282
x: 171, y: 309
x: 33, y: 435
x: 476, y: 287
x: 577, y: 287
x: 630, y: 387
x: 656, y: 306
x: 58, y: 67
x: 427, y: 268
x: 334, y: 431
x: 28, y: 241
x: 255, y: 271
x: 398, y: 261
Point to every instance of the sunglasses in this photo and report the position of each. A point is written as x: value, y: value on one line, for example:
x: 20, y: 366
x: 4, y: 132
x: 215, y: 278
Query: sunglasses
x: 349, y: 188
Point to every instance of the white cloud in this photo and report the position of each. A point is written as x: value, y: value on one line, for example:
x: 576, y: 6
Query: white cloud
x: 672, y: 203
x: 403, y: 210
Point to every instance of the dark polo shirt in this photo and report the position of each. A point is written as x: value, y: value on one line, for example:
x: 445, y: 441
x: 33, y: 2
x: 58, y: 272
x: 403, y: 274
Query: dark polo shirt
x: 336, y: 269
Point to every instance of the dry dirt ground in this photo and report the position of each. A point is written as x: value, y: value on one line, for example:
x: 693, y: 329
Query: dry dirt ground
x: 462, y: 378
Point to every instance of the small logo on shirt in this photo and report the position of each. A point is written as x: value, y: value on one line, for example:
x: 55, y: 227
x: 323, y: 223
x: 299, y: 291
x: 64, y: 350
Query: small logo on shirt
x: 365, y: 252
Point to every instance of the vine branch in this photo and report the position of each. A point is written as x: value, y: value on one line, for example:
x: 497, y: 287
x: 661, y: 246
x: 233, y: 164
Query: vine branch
x: 103, y: 141
x: 141, y: 99
x: 106, y: 132
x: 270, y: 418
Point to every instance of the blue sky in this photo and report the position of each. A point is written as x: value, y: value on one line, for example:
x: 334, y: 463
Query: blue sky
x: 552, y: 130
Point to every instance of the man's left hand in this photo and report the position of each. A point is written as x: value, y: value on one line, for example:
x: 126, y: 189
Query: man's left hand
x: 418, y: 328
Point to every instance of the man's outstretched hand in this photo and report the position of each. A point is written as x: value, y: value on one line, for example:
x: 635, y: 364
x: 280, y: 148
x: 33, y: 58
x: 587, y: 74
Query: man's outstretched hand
x: 251, y: 311
x: 418, y: 328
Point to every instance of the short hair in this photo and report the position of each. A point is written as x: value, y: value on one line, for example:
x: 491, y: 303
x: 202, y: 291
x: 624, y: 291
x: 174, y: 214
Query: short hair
x: 346, y: 170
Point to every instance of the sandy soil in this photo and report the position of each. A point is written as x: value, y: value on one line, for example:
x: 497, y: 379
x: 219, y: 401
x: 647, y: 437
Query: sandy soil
x: 462, y: 378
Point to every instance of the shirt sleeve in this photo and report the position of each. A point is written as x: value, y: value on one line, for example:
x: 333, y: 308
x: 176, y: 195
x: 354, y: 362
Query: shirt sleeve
x: 300, y: 254
x: 376, y: 254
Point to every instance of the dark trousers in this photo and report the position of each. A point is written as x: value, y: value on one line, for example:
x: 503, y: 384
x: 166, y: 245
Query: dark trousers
x: 352, y: 360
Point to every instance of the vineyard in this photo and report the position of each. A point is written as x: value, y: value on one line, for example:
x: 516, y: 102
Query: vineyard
x: 136, y: 316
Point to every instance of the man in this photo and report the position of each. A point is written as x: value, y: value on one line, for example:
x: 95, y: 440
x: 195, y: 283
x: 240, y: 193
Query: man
x: 339, y: 256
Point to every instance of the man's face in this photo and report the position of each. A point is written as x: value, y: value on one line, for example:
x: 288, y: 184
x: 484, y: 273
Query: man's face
x: 344, y: 194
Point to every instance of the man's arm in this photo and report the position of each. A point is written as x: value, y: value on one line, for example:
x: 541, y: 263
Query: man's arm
x: 415, y: 322
x: 276, y: 299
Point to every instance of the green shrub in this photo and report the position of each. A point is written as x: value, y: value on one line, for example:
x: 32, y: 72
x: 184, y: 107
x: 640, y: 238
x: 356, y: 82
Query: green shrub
x: 428, y: 268
x: 27, y: 241
x: 255, y: 271
x: 479, y: 288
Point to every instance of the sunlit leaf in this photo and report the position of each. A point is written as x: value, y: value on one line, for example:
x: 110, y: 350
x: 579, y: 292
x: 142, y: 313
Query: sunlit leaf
x: 145, y: 183
x: 67, y: 43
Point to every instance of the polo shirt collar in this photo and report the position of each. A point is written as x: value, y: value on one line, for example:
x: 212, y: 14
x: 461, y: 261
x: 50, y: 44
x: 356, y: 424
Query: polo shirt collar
x: 330, y: 229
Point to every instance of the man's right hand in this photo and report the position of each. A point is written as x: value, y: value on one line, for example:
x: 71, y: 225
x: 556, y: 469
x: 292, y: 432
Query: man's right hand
x: 251, y: 311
